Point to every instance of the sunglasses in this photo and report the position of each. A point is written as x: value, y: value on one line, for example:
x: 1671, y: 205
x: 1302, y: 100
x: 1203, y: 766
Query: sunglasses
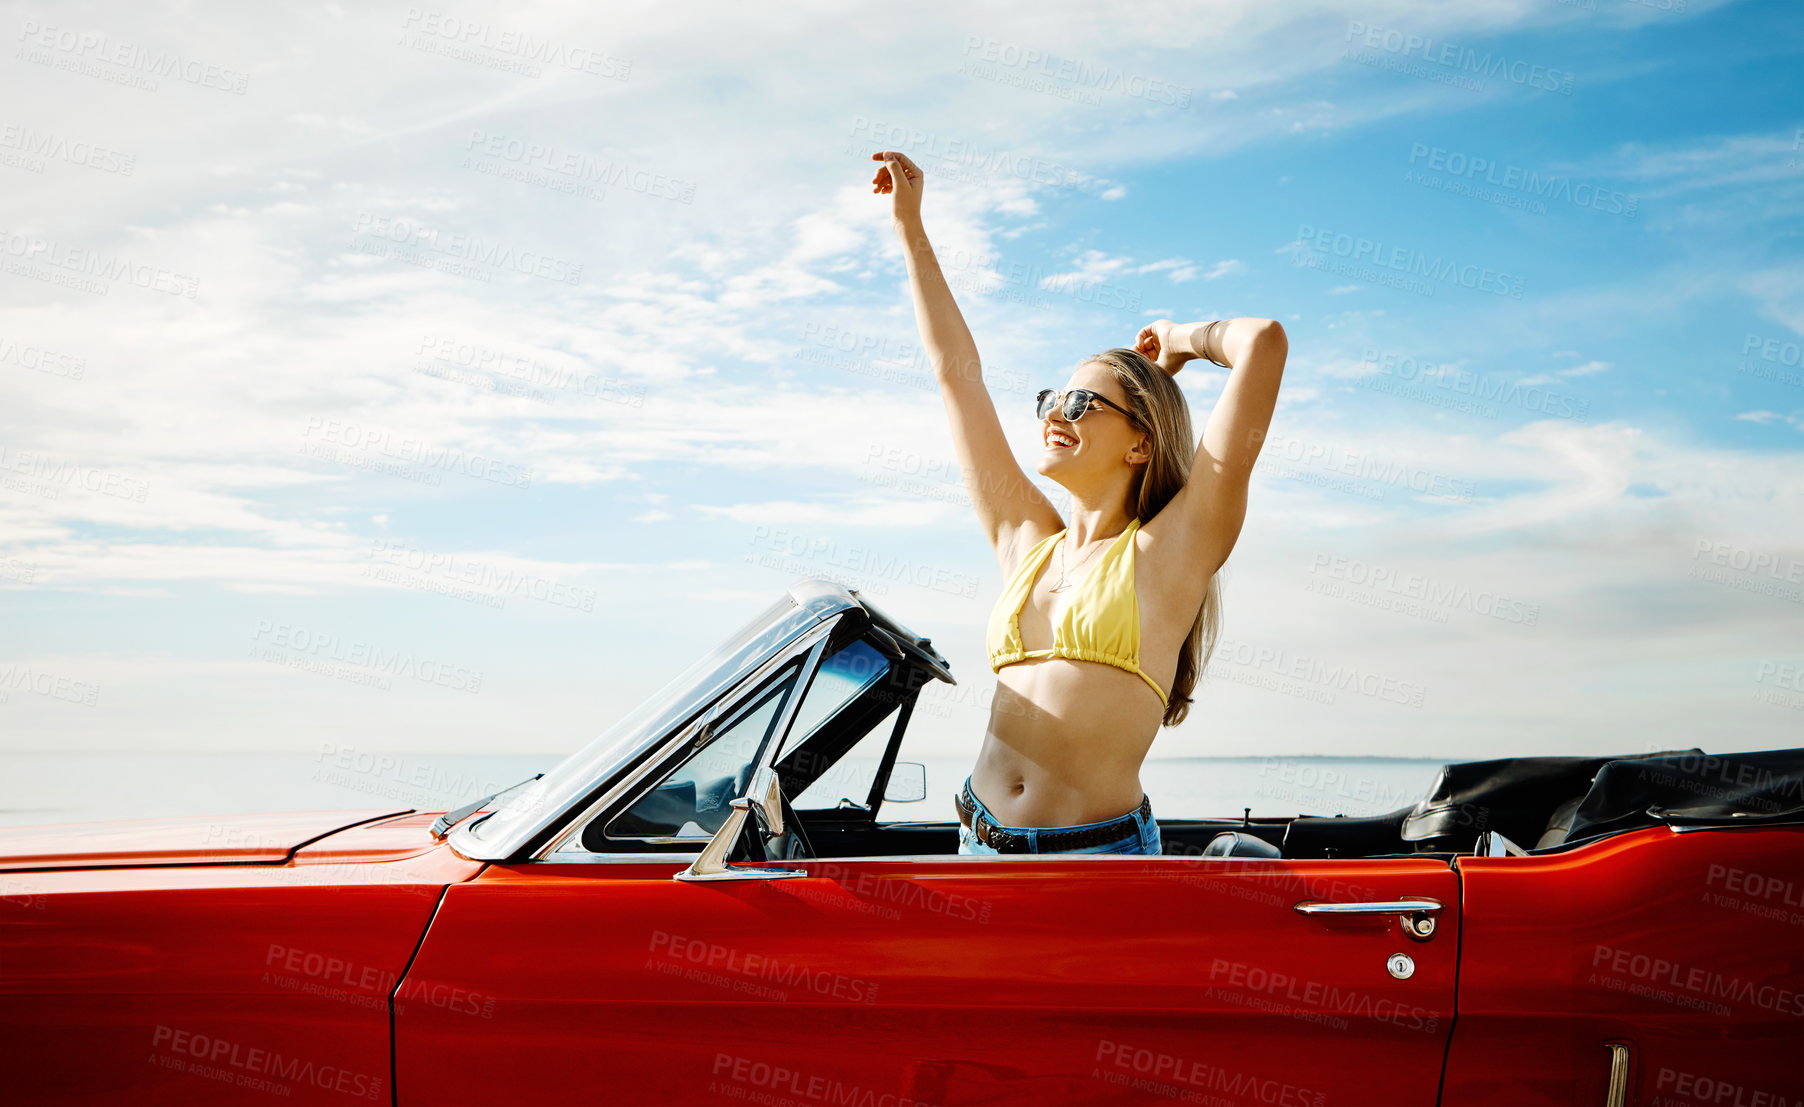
x: 1074, y: 403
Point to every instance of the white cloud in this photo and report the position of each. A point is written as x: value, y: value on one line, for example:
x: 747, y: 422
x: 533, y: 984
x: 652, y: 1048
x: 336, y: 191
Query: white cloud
x: 1587, y: 369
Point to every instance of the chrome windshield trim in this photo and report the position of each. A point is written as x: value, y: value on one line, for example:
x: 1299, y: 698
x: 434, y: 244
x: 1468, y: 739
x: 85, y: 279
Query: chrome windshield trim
x: 808, y: 647
x: 813, y: 603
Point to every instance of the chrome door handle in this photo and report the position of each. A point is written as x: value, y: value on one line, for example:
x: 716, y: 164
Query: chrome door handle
x: 1616, y: 1094
x: 1418, y: 914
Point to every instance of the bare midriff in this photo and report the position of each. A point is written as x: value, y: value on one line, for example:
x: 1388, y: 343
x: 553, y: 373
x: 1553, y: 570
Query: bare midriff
x: 1065, y: 742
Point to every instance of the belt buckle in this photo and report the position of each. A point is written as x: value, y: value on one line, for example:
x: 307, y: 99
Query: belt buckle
x: 1002, y: 841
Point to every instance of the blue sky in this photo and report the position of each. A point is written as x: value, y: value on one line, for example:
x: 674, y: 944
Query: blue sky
x: 446, y: 379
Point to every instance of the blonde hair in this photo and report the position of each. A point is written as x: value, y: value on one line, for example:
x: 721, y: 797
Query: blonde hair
x: 1165, y: 417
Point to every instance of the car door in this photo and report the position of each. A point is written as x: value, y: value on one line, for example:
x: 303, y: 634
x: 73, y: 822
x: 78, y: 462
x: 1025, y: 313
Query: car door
x: 937, y: 979
x: 1670, y: 965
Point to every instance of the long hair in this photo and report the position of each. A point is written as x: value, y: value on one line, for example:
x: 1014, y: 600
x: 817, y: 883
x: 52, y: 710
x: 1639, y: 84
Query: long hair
x: 1159, y: 403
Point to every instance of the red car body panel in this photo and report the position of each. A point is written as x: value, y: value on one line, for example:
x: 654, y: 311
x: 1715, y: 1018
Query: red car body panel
x: 1689, y: 947
x: 1050, y: 979
x: 216, y: 983
x: 266, y: 838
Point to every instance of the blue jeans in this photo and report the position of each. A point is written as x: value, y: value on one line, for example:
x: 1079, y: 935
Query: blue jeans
x: 1139, y: 834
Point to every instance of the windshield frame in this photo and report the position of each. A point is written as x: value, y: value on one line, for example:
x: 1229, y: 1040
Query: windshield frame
x: 536, y: 813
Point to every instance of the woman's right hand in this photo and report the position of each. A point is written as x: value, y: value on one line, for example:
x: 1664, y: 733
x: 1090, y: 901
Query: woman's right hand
x: 902, y: 180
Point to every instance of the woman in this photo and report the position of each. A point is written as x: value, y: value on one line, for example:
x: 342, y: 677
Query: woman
x: 1097, y: 638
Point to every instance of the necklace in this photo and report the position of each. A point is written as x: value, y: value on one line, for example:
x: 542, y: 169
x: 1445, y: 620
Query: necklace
x: 1064, y: 583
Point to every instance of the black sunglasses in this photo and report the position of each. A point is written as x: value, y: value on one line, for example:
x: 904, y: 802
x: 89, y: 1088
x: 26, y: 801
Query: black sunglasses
x: 1075, y: 403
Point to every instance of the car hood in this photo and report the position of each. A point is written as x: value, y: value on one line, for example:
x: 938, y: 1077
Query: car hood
x: 195, y: 840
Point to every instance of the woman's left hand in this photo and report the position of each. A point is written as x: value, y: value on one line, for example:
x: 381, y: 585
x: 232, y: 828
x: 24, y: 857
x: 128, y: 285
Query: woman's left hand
x: 1165, y: 343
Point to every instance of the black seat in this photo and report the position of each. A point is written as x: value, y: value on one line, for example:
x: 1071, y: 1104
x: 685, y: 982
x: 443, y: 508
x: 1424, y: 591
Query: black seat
x: 1235, y: 843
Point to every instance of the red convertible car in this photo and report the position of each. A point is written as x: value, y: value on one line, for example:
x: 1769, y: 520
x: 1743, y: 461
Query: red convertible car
x: 703, y: 906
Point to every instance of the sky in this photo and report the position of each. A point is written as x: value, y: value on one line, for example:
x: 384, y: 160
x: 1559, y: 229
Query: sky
x: 447, y: 379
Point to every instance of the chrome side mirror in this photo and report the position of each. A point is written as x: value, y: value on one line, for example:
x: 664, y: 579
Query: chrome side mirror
x: 768, y: 791
x: 907, y: 783
x: 765, y: 797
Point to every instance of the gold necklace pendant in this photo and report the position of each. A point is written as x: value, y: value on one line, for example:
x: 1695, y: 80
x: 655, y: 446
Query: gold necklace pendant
x: 1063, y: 583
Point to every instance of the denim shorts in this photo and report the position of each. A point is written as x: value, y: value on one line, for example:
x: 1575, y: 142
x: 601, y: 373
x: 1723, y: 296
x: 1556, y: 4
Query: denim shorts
x: 1139, y: 833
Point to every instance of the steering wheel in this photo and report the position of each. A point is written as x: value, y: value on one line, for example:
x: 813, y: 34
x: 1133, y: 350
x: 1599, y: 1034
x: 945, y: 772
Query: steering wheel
x: 792, y: 844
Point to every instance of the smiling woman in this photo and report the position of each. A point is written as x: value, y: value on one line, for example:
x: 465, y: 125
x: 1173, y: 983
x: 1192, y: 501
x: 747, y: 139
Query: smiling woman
x: 1102, y: 626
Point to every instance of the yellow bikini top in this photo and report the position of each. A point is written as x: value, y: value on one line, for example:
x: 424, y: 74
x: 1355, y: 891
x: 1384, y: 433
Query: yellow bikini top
x: 1100, y: 623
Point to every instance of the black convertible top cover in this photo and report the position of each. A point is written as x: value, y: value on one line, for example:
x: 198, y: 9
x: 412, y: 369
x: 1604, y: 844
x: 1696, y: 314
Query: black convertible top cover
x: 1555, y: 800
x: 1693, y: 789
x: 1514, y: 796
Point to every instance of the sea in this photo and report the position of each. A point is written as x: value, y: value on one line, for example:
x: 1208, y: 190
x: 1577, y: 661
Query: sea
x: 54, y: 788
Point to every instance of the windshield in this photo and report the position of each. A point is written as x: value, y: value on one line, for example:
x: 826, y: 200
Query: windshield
x: 694, y: 799
x: 693, y: 688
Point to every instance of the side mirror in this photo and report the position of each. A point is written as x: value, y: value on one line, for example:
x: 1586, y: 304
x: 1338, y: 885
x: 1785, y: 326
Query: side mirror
x: 907, y: 783
x: 764, y: 799
x: 767, y: 792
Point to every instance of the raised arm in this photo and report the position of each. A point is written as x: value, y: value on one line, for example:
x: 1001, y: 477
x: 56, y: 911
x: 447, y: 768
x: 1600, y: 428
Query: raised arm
x: 1207, y: 513
x: 1013, y: 512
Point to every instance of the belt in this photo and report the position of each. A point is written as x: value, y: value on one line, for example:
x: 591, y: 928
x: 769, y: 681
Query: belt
x: 1051, y: 841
